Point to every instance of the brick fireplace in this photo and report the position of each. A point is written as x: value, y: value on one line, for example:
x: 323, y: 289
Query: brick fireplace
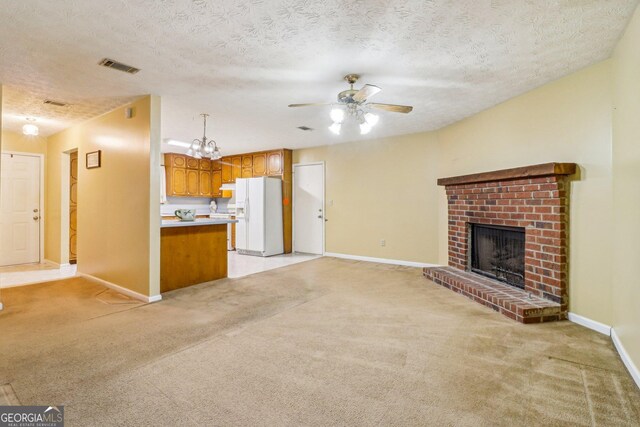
x: 533, y: 199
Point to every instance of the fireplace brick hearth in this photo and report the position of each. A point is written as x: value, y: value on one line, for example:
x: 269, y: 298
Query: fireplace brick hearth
x: 535, y: 198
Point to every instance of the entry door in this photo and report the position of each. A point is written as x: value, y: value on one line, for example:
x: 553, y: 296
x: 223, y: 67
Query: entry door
x: 308, y: 207
x: 19, y: 209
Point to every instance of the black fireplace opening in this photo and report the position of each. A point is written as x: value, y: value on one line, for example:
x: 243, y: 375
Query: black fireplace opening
x: 498, y: 252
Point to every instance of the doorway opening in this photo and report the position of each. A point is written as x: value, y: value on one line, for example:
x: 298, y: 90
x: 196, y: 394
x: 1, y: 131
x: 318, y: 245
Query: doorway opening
x: 68, y: 207
x: 308, y: 208
x: 73, y: 207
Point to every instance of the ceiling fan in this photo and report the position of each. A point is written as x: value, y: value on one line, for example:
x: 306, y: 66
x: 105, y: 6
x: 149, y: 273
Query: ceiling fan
x: 355, y: 103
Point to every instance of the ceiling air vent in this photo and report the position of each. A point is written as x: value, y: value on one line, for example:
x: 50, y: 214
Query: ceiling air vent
x: 55, y: 103
x: 305, y: 128
x: 110, y: 63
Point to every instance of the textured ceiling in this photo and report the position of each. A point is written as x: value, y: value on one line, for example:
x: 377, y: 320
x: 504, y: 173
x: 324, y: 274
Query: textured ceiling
x: 243, y: 61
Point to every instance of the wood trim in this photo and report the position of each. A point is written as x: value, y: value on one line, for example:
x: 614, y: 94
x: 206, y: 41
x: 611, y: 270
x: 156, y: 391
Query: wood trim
x: 545, y: 169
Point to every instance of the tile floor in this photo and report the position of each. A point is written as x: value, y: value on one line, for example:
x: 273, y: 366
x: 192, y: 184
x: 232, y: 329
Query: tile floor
x: 239, y: 266
x: 244, y: 265
x: 27, y: 274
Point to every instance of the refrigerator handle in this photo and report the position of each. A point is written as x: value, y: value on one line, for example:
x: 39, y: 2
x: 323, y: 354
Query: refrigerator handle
x: 246, y: 209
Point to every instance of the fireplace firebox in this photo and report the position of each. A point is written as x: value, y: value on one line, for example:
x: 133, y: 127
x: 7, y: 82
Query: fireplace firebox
x: 498, y: 252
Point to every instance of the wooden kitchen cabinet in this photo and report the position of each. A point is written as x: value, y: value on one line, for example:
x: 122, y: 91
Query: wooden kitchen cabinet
x: 193, y: 183
x: 216, y: 183
x: 176, y: 160
x: 204, y: 164
x: 233, y: 235
x: 176, y: 182
x: 274, y: 163
x: 236, y: 167
x: 176, y: 174
x: 247, y: 173
x: 192, y: 163
x: 260, y: 164
x: 227, y: 170
x: 247, y: 161
x: 216, y: 165
x: 205, y: 184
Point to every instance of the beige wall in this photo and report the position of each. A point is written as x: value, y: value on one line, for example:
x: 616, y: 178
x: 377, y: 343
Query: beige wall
x: 115, y: 226
x: 568, y: 120
x: 381, y: 189
x: 626, y: 189
x: 387, y: 188
x: 13, y: 141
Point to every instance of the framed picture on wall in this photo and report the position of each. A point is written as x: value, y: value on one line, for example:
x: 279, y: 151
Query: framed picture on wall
x: 94, y: 159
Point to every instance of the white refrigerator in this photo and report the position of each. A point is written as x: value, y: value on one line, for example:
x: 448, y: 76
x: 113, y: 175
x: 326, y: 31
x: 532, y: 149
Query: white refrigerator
x: 259, y: 215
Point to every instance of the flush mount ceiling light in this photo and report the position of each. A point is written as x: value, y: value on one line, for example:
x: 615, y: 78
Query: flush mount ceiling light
x: 204, y: 147
x: 30, y: 128
x: 353, y: 103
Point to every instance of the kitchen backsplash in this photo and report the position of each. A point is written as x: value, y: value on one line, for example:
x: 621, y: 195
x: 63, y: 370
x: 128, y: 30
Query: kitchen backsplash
x: 201, y: 205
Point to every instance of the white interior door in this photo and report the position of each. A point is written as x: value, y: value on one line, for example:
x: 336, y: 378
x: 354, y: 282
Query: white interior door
x: 308, y: 208
x: 19, y: 209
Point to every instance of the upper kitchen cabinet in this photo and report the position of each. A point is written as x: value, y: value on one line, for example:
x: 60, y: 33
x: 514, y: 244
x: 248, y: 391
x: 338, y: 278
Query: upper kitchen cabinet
x: 192, y: 163
x: 176, y: 174
x: 205, y: 184
x: 236, y: 167
x: 187, y: 176
x: 247, y: 166
x: 205, y: 164
x: 176, y: 182
x: 274, y: 163
x: 259, y: 163
x: 216, y: 165
x: 216, y: 183
x: 193, y: 183
x: 227, y: 173
x: 175, y: 160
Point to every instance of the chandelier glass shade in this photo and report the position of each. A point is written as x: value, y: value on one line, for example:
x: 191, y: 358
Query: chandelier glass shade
x: 204, y: 148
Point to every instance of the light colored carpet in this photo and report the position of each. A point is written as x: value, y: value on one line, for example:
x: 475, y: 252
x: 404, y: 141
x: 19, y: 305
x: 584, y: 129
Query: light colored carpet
x: 323, y: 342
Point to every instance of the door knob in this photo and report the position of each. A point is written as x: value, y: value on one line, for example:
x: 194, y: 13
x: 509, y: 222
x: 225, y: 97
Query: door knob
x: 35, y: 218
x: 320, y: 216
x: 35, y: 210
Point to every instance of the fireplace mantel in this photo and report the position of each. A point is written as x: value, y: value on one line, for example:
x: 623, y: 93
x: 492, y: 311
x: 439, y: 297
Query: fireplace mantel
x: 533, y: 171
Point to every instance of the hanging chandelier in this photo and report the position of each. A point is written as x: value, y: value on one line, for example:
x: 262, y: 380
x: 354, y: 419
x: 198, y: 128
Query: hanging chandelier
x: 204, y: 148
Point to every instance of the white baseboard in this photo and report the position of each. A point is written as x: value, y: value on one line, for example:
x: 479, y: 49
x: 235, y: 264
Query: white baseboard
x: 626, y: 359
x: 122, y: 290
x: 591, y: 324
x: 57, y: 264
x: 380, y: 260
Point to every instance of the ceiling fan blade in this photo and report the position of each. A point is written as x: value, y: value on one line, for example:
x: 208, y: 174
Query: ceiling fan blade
x: 308, y: 105
x: 392, y: 107
x: 367, y: 91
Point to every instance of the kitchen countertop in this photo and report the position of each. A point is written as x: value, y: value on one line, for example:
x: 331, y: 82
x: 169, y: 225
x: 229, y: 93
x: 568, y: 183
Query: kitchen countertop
x: 198, y: 221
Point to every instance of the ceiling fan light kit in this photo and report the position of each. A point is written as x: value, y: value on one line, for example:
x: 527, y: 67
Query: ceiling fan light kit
x: 353, y: 102
x: 204, y: 148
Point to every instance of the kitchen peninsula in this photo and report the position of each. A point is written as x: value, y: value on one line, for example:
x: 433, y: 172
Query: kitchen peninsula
x: 192, y: 252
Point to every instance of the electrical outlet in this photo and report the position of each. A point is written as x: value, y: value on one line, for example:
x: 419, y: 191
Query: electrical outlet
x: 383, y: 242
